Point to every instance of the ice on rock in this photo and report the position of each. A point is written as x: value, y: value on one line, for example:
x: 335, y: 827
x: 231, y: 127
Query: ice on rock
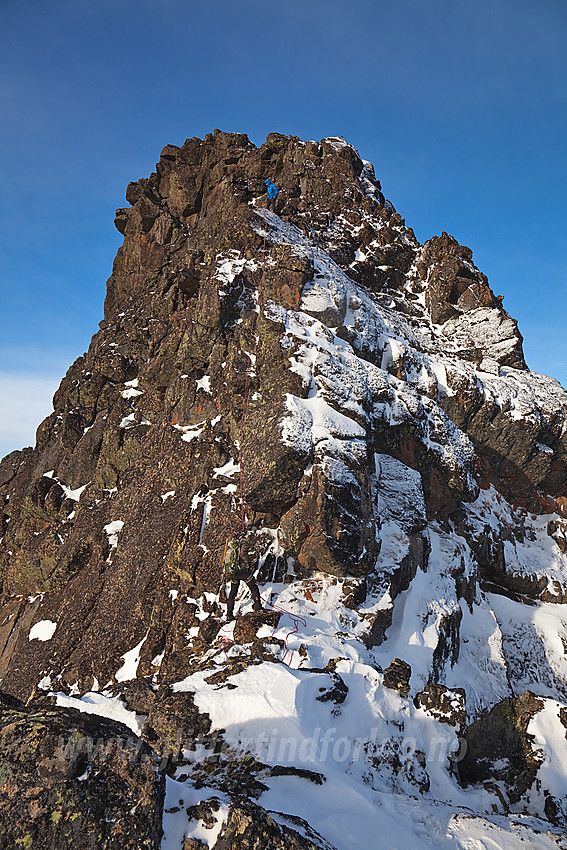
x: 399, y: 496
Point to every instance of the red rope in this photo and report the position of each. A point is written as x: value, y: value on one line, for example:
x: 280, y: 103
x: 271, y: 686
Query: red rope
x: 296, y: 619
x: 247, y: 385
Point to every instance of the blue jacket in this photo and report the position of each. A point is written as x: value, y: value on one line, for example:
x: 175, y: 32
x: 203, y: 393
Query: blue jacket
x: 272, y: 189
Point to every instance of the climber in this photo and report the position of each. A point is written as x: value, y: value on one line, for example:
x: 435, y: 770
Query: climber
x: 272, y: 195
x: 240, y: 561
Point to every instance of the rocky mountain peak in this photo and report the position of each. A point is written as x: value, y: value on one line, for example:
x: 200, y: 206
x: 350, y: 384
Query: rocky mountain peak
x: 361, y: 403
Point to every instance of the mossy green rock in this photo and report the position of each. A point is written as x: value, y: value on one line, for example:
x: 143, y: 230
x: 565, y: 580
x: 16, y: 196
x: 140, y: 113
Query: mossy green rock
x: 73, y: 780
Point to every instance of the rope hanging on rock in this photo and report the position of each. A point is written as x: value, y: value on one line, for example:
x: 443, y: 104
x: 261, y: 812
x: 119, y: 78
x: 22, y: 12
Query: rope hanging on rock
x: 248, y: 370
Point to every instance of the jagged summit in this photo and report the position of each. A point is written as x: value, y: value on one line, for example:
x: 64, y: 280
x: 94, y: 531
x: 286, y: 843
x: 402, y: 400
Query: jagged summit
x: 362, y: 402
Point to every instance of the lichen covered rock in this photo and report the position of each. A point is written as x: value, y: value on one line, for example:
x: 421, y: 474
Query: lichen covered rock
x: 73, y: 779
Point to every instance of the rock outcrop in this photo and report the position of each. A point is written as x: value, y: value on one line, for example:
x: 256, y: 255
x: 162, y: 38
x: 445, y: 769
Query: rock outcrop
x: 362, y: 403
x: 499, y: 747
x: 71, y: 779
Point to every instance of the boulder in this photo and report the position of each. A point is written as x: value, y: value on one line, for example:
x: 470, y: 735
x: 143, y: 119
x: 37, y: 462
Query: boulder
x: 397, y: 677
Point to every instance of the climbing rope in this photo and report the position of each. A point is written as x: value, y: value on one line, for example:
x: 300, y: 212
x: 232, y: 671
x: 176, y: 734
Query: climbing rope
x: 226, y: 640
x: 249, y: 369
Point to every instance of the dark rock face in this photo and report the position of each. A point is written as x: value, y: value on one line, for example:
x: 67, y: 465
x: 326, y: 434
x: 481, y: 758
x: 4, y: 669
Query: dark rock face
x: 499, y: 748
x: 454, y: 284
x: 397, y: 676
x: 336, y: 691
x: 173, y: 724
x: 246, y: 627
x: 379, y: 624
x: 7, y: 701
x: 522, y: 456
x: 446, y: 705
x: 447, y: 648
x: 456, y: 287
x: 68, y: 779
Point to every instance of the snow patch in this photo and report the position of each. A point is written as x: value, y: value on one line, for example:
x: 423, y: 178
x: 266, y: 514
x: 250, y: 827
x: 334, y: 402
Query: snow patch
x: 129, y: 669
x: 204, y: 384
x: 43, y: 631
x: 113, y: 529
x: 103, y: 706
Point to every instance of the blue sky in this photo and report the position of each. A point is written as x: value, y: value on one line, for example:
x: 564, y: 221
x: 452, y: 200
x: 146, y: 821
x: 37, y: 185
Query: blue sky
x: 460, y: 105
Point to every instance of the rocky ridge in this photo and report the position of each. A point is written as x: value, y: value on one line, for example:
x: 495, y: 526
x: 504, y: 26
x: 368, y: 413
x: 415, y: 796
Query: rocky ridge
x: 406, y: 476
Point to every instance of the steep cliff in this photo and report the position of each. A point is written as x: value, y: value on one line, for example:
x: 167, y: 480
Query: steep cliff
x: 359, y: 400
